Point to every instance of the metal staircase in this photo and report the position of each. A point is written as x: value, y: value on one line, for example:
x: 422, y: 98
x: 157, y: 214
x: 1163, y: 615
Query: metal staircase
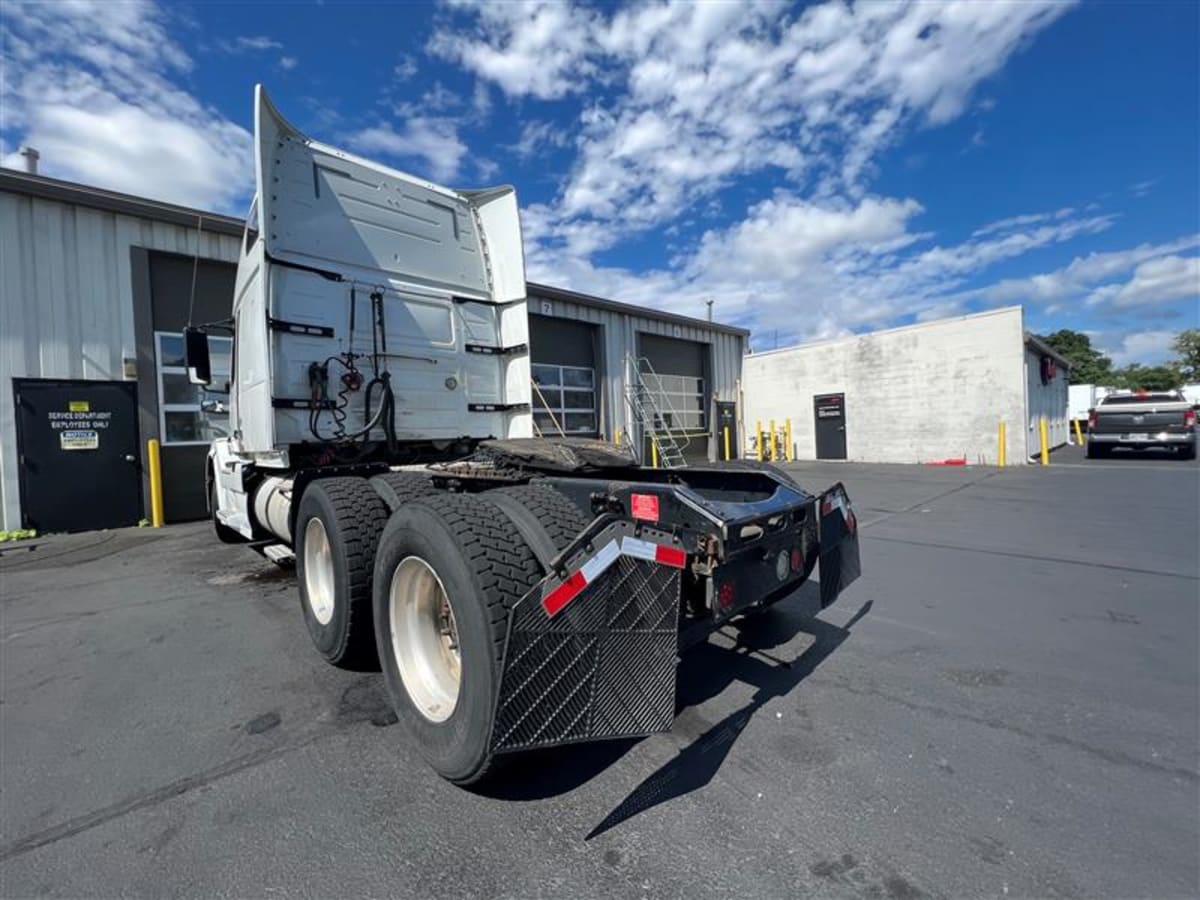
x: 654, y: 413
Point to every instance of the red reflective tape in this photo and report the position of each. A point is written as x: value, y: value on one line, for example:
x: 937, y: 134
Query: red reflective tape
x: 563, y: 594
x: 644, y: 507
x: 670, y: 556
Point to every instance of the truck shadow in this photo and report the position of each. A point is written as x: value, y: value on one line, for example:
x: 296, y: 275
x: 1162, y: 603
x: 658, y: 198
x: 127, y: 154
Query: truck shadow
x: 705, y: 671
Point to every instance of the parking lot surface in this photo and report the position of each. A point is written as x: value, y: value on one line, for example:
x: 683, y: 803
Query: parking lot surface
x: 1005, y: 704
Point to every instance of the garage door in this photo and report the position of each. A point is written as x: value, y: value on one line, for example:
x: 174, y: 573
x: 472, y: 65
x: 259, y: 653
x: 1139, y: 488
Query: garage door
x: 189, y: 417
x: 675, y: 374
x: 563, y: 358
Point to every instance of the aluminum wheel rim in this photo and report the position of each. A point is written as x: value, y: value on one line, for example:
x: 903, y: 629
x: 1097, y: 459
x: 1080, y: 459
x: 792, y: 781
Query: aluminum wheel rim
x: 425, y: 639
x: 318, y: 571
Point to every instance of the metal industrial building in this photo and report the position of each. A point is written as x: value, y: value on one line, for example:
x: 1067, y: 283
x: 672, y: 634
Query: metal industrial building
x: 96, y: 287
x: 921, y: 393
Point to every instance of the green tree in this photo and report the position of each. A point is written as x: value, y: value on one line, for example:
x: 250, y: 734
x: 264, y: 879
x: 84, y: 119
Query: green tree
x: 1187, y: 345
x: 1088, y: 365
x: 1151, y: 378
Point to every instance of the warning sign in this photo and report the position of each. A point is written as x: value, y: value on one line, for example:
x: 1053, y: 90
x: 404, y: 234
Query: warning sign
x: 79, y: 406
x: 79, y: 440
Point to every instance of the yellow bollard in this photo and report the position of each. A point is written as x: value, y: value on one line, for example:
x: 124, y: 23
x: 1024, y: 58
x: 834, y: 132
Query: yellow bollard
x: 1002, y: 449
x: 726, y: 430
x: 1078, y: 433
x: 787, y: 444
x: 617, y: 438
x: 774, y: 447
x: 156, y: 495
x: 758, y: 438
x: 654, y: 453
x: 1045, y: 434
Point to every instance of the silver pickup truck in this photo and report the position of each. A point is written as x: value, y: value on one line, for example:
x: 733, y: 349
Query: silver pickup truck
x: 1142, y: 420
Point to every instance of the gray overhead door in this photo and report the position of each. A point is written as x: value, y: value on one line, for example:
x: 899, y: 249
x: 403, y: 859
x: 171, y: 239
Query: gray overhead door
x: 676, y: 374
x: 563, y: 358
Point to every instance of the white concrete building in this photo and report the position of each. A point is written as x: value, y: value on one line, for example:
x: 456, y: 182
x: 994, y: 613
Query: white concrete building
x: 921, y: 393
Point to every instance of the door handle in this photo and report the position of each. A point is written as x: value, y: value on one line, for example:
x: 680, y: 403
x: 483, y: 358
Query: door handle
x: 130, y: 458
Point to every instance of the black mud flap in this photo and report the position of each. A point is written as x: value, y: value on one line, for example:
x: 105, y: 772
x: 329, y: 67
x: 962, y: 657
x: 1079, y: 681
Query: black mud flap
x: 592, y: 655
x: 840, y: 564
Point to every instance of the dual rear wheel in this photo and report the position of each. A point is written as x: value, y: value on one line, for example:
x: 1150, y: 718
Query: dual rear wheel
x: 424, y: 590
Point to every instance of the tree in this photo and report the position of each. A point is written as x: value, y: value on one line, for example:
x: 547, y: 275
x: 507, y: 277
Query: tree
x: 1151, y: 378
x: 1088, y: 365
x: 1187, y: 345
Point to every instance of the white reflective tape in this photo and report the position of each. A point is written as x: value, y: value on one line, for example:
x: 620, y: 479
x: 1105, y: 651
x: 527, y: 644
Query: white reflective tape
x: 637, y: 548
x: 594, y: 567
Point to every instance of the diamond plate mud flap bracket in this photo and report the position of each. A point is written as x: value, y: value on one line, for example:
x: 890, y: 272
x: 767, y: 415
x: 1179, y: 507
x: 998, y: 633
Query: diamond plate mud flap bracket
x: 591, y: 655
x: 840, y: 564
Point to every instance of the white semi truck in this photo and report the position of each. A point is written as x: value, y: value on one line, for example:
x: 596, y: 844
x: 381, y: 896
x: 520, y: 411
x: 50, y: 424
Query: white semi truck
x: 516, y: 591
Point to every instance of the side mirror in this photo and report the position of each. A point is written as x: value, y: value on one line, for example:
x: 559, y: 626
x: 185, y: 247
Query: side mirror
x: 195, y: 355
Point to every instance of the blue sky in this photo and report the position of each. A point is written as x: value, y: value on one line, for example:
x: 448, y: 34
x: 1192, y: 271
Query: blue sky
x: 814, y: 169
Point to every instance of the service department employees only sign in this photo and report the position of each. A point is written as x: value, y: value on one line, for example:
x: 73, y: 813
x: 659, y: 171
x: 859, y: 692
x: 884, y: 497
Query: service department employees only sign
x: 80, y: 426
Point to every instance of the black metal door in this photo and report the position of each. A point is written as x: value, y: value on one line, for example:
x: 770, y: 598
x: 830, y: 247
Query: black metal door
x: 78, y: 448
x: 727, y: 439
x: 829, y: 411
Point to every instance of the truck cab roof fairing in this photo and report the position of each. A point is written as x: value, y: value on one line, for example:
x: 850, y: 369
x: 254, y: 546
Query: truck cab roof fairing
x: 325, y: 208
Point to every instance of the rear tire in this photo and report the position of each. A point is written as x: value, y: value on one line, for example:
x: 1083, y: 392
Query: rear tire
x: 1096, y: 451
x: 338, y: 525
x: 398, y: 488
x: 482, y: 567
x: 561, y: 519
x: 1188, y: 452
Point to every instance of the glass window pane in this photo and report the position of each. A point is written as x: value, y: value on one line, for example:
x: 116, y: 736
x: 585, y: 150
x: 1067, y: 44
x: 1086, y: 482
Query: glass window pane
x: 182, y: 426
x: 177, y: 389
x: 579, y: 400
x: 170, y: 350
x: 577, y: 378
x: 220, y: 354
x: 577, y: 422
x: 548, y: 397
x: 545, y: 375
x: 546, y: 424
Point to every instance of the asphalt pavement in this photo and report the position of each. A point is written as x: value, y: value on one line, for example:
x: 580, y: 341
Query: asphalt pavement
x: 1006, y: 704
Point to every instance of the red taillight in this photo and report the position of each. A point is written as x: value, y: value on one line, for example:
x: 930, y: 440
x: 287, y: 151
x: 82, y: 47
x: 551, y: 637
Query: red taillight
x: 797, y: 560
x: 1091, y: 418
x: 1189, y: 418
x: 725, y: 595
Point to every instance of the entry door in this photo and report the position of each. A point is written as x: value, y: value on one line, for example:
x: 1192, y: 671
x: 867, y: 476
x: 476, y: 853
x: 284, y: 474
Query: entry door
x: 78, y: 448
x: 727, y: 437
x: 830, y: 413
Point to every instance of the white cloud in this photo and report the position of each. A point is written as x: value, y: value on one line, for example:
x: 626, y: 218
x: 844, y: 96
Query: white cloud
x: 1146, y: 347
x: 1154, y: 282
x: 257, y: 42
x: 530, y: 47
x: 95, y: 87
x: 287, y: 63
x: 733, y: 89
x: 1079, y: 277
x: 432, y: 141
x: 405, y: 69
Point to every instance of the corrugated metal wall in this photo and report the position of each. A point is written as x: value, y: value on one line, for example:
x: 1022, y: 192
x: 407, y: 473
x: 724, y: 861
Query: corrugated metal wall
x: 620, y: 332
x: 66, y: 300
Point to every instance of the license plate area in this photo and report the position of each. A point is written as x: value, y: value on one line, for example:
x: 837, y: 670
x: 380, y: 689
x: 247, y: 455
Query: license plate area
x: 1137, y: 436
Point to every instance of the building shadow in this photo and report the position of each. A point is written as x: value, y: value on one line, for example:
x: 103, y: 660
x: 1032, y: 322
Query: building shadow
x: 746, y: 651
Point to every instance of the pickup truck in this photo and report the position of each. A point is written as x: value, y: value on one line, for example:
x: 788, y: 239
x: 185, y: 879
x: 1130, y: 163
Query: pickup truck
x: 1142, y: 420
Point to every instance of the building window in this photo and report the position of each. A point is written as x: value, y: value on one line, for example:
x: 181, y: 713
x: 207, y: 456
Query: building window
x: 679, y: 400
x: 565, y: 395
x: 190, y: 413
